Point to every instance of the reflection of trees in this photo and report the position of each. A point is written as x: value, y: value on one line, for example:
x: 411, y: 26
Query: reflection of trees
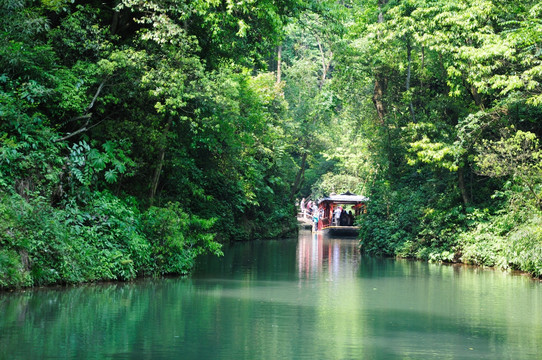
x: 97, y: 321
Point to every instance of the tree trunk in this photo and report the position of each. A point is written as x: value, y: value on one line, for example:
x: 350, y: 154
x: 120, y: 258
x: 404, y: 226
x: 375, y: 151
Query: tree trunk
x: 462, y: 187
x: 409, y: 58
x: 299, y: 177
x: 161, y: 157
x: 115, y: 17
x: 279, y: 63
x: 381, y: 83
x: 476, y: 97
x: 423, y: 85
x: 381, y: 3
x: 325, y: 66
x: 531, y: 188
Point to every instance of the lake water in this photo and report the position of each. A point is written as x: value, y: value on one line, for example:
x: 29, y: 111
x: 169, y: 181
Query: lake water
x: 307, y: 298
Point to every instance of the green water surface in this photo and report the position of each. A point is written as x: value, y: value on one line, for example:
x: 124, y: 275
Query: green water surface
x: 307, y: 298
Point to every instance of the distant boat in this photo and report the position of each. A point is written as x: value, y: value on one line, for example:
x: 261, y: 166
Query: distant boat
x: 339, y: 213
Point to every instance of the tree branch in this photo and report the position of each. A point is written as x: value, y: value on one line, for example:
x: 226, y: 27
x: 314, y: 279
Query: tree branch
x: 325, y: 67
x: 87, y: 115
x: 83, y: 129
x: 95, y: 96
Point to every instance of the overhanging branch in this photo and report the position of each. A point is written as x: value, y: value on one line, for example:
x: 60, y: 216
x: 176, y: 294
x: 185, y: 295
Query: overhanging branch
x: 86, y: 116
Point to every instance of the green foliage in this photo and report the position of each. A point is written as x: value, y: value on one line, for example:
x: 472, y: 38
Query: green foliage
x: 525, y: 247
x: 108, y: 237
x: 517, y: 156
x: 105, y: 240
x: 12, y: 272
x: 391, y: 220
x: 108, y: 113
x: 100, y: 105
x: 509, y: 240
x: 81, y: 35
x: 177, y: 238
x: 100, y: 242
x: 87, y: 166
x: 425, y: 90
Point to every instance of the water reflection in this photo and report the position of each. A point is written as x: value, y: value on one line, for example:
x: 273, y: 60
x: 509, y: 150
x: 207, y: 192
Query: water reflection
x: 319, y: 255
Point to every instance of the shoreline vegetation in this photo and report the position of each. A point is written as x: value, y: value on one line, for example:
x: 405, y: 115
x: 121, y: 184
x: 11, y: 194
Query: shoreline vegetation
x: 136, y: 135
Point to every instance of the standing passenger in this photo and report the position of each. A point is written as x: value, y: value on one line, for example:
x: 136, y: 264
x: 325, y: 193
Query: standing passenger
x: 343, y: 218
x: 337, y: 215
x: 315, y: 218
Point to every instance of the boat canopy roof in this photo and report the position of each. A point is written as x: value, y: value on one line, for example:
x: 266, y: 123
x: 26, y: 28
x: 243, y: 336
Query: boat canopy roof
x: 346, y: 198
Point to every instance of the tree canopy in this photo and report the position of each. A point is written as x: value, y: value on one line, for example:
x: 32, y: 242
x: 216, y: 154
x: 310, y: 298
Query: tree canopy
x: 135, y: 135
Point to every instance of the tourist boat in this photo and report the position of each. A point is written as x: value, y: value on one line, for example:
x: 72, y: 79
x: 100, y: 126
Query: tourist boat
x: 338, y: 214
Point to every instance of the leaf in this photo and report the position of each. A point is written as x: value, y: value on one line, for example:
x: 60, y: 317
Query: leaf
x: 111, y: 176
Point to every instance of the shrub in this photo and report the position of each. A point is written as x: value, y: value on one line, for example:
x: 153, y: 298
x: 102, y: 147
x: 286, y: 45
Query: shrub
x: 524, y: 250
x: 177, y: 238
x: 12, y: 271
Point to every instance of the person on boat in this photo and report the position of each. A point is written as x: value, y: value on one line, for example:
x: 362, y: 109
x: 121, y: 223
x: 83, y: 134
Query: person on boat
x: 350, y: 218
x: 343, y: 219
x: 337, y: 215
x: 302, y: 206
x: 357, y: 209
x: 315, y: 218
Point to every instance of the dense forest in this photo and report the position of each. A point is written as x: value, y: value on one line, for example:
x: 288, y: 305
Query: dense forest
x: 136, y: 135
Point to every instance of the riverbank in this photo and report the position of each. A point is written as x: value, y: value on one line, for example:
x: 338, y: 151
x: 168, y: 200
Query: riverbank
x: 507, y: 240
x: 106, y: 240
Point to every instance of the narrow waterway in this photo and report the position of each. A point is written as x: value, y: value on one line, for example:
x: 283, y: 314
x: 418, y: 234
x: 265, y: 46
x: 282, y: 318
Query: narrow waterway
x: 306, y: 298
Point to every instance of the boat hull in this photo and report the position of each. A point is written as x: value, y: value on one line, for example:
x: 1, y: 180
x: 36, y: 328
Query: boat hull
x: 346, y: 231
